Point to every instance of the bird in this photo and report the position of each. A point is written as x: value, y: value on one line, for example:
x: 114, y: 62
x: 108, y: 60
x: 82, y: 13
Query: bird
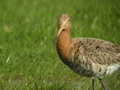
x: 86, y: 56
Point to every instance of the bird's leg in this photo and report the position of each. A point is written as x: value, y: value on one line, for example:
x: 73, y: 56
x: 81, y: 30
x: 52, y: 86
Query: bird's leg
x: 93, y: 82
x: 103, y: 84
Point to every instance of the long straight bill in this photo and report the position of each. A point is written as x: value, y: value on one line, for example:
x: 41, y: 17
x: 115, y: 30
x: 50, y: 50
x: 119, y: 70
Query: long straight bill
x: 59, y: 31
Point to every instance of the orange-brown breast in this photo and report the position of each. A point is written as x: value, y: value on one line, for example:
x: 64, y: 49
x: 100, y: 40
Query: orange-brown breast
x: 64, y: 48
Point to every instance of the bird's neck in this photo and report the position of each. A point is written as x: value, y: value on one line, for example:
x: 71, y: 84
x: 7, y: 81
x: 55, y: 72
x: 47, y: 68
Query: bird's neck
x: 64, y: 43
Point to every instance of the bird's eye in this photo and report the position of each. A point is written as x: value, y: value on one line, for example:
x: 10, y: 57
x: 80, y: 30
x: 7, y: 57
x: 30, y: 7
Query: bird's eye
x: 63, y: 29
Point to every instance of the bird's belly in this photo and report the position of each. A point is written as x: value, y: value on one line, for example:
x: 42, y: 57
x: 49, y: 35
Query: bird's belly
x: 77, y: 68
x: 89, y: 70
x: 82, y: 71
x: 93, y: 70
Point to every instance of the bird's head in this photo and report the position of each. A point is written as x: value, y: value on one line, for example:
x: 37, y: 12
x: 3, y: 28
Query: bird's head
x: 64, y: 24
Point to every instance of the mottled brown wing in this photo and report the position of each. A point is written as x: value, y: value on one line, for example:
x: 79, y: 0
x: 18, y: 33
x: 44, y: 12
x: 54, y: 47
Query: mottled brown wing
x: 96, y: 50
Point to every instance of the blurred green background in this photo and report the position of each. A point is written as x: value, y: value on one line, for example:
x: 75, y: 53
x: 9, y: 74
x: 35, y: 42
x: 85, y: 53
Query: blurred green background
x: 28, y: 58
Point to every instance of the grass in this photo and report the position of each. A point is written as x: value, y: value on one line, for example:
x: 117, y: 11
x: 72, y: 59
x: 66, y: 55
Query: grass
x: 28, y: 58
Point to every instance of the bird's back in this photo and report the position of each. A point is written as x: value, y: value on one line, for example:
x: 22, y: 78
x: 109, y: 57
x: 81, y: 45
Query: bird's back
x: 94, y: 57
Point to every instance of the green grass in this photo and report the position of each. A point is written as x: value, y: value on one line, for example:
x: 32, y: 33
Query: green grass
x: 28, y: 58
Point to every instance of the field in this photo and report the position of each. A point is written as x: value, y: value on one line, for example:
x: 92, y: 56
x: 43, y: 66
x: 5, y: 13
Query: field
x: 28, y: 28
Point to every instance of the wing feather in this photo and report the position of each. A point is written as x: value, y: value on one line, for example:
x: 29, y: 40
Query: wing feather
x: 96, y: 51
